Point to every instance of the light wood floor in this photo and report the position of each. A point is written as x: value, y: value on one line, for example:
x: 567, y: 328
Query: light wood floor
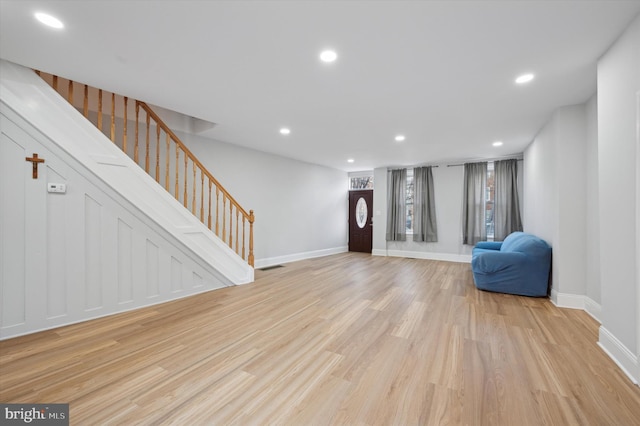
x: 345, y: 339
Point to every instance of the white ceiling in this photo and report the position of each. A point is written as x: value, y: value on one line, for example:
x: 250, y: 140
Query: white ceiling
x: 440, y: 72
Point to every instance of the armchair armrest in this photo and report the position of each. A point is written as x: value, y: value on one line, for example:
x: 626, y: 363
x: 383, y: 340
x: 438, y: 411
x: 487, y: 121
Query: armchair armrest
x: 489, y: 245
x: 490, y: 262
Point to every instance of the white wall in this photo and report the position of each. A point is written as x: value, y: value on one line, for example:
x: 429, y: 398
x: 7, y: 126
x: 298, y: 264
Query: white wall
x: 618, y: 85
x: 571, y: 148
x: 300, y: 208
x: 541, y: 201
x: 379, y: 211
x: 582, y: 195
x: 556, y: 198
x: 593, y: 208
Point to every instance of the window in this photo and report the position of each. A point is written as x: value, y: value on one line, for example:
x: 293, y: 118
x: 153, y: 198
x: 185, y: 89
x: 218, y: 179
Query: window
x: 491, y: 208
x: 489, y: 202
x: 409, y: 201
x: 361, y: 182
x: 403, y: 202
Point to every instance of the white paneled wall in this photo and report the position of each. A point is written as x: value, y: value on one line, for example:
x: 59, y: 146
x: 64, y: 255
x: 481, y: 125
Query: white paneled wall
x: 82, y: 254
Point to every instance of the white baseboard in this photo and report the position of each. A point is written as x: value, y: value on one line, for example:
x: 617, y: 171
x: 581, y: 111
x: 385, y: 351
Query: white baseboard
x: 271, y: 261
x: 566, y: 300
x: 447, y: 257
x: 619, y: 353
x: 576, y: 301
x: 592, y: 308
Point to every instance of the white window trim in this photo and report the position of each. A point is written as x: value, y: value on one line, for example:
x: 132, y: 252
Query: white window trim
x: 490, y: 168
x: 410, y: 174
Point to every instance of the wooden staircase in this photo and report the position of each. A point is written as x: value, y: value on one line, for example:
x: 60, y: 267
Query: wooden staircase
x: 148, y: 141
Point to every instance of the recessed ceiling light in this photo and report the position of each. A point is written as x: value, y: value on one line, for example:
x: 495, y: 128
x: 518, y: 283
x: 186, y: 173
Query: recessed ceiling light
x: 285, y: 131
x: 328, y: 56
x: 400, y: 138
x: 497, y: 143
x: 49, y: 20
x: 350, y: 160
x: 524, y: 78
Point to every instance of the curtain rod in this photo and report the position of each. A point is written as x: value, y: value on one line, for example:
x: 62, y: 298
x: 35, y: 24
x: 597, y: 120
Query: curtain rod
x: 517, y: 157
x: 389, y: 169
x: 469, y: 162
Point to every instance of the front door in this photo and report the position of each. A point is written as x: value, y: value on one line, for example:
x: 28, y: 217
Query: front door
x: 361, y: 221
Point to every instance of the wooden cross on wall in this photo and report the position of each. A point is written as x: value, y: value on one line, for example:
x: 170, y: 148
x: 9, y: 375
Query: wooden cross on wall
x: 35, y: 161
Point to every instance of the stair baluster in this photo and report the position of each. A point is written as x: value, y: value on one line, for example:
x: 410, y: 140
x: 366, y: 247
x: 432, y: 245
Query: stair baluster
x: 119, y: 134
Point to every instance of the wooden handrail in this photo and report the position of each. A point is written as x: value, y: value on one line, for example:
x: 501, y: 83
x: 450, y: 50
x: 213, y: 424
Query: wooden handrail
x: 119, y: 136
x: 189, y: 154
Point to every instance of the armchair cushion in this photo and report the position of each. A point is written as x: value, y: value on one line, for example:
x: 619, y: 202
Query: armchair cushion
x: 518, y: 265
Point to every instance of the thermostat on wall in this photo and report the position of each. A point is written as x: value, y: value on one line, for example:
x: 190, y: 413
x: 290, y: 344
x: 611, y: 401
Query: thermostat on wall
x: 57, y: 187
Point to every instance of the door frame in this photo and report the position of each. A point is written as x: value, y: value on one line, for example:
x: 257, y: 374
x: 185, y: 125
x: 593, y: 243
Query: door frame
x: 369, y: 222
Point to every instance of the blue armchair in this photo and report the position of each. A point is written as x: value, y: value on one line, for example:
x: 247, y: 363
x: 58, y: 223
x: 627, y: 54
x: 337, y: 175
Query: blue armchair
x: 518, y: 265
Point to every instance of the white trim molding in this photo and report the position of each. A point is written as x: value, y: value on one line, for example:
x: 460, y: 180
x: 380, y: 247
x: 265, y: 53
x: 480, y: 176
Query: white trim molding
x: 566, y: 300
x: 576, y: 301
x: 592, y: 308
x: 271, y: 261
x: 447, y: 257
x: 619, y: 353
x: 571, y: 301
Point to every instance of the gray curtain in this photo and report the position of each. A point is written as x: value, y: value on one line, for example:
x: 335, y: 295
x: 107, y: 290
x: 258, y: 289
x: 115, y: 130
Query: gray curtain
x: 396, y: 205
x: 474, y: 227
x: 507, y: 203
x: 424, y: 207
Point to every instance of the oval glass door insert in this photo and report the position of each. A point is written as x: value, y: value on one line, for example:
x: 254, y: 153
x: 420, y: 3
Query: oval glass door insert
x: 361, y: 212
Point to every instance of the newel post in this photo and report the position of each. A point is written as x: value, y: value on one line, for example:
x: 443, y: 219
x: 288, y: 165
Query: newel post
x: 251, y: 220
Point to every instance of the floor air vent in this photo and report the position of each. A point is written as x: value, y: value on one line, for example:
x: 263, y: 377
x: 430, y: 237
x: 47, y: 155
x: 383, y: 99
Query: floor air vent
x: 268, y: 268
